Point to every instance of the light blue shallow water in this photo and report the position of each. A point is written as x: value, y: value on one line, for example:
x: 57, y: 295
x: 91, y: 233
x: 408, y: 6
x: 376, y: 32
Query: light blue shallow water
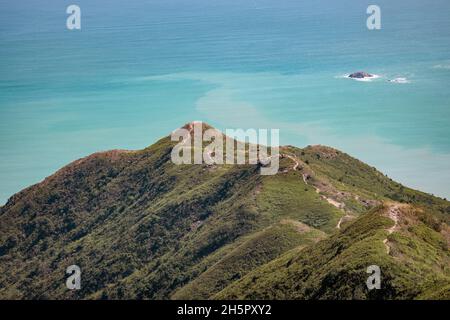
x: 139, y: 69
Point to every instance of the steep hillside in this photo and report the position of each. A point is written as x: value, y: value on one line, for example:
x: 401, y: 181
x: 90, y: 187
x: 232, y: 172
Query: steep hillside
x: 259, y: 248
x: 140, y: 226
x: 408, y: 245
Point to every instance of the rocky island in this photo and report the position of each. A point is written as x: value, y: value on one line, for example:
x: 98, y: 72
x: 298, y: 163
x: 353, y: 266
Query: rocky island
x: 360, y: 75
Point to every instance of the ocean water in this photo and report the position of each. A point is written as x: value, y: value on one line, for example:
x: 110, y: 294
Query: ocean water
x: 139, y: 69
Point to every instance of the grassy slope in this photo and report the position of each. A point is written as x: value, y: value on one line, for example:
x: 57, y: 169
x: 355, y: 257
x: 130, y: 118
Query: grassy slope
x: 255, y: 250
x: 115, y: 227
x: 274, y: 198
x: 417, y: 266
x: 141, y: 227
x: 348, y: 174
x: 287, y: 195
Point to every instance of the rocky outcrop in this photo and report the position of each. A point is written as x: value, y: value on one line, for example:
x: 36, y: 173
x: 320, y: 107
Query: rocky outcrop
x: 360, y: 75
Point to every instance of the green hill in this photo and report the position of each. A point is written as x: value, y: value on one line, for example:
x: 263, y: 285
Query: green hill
x: 141, y: 227
x: 414, y: 263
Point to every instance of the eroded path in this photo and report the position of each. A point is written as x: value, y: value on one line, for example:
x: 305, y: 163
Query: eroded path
x: 294, y: 159
x: 331, y: 201
x: 393, y: 213
x: 346, y: 217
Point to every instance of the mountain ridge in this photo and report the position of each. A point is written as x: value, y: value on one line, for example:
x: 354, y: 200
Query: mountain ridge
x: 141, y: 227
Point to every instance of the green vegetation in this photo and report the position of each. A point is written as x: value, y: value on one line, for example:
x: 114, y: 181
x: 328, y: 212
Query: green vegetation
x: 255, y: 250
x: 141, y: 227
x: 350, y: 175
x: 285, y: 195
x: 335, y: 268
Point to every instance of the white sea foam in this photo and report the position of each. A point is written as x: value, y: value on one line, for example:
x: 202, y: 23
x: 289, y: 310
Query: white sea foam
x: 368, y: 79
x: 442, y: 66
x: 399, y: 80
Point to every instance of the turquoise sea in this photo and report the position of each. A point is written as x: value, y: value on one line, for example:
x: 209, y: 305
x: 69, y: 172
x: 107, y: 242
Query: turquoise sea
x: 139, y: 69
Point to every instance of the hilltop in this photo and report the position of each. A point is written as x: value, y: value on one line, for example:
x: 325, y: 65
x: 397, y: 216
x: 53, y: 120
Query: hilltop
x: 141, y: 227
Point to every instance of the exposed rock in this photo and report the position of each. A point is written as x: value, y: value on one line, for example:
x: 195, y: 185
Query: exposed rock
x: 360, y: 75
